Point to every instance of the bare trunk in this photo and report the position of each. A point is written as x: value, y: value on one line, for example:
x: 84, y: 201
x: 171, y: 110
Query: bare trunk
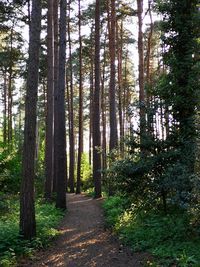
x: 5, y: 109
x: 112, y: 89
x: 27, y: 207
x: 80, y: 137
x: 119, y: 57
x: 49, y: 151
x: 141, y: 71
x: 71, y: 117
x: 96, y: 108
x: 56, y: 62
x: 60, y: 131
x: 103, y: 113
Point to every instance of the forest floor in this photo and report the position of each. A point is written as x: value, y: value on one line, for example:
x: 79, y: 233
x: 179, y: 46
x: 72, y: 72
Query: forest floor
x: 84, y: 241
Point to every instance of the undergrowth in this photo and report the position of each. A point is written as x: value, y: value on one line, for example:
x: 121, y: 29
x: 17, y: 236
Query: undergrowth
x: 171, y: 239
x: 12, y: 247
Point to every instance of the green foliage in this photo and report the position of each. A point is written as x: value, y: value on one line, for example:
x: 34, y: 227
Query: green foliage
x: 11, y: 244
x: 10, y: 170
x: 170, y: 238
x: 86, y: 172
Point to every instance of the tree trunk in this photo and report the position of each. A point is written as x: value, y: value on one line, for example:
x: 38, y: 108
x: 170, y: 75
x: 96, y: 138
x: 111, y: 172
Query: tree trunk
x: 5, y: 108
x: 141, y: 71
x: 27, y: 208
x: 49, y: 151
x: 96, y: 108
x: 80, y: 137
x: 112, y: 89
x: 103, y: 112
x: 60, y: 135
x: 91, y: 107
x: 119, y: 58
x: 56, y: 62
x: 71, y: 116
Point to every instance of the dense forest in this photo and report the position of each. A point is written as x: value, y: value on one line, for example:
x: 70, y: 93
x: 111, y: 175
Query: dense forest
x: 101, y: 98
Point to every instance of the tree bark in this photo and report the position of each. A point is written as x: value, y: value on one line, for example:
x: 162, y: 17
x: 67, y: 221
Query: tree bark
x: 112, y: 87
x: 80, y: 136
x: 56, y: 62
x: 49, y: 151
x: 141, y: 71
x: 96, y: 108
x: 27, y: 208
x: 71, y: 116
x: 61, y: 173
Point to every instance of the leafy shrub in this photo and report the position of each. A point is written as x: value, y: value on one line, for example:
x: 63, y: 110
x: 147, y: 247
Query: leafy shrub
x: 170, y: 238
x: 87, y: 181
x: 10, y: 170
x: 12, y: 246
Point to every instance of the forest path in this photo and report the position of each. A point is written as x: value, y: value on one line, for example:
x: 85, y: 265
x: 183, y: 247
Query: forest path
x: 84, y: 242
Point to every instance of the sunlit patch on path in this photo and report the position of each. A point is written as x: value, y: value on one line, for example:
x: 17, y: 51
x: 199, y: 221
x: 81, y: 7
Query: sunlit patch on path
x: 84, y: 241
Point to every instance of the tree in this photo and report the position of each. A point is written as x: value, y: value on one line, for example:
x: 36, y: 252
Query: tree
x: 71, y: 107
x: 80, y: 135
x: 27, y: 209
x: 141, y: 70
x: 112, y: 87
x: 96, y: 108
x: 60, y: 131
x: 56, y: 64
x: 49, y: 151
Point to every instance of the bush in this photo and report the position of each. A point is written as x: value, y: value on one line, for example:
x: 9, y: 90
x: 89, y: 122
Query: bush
x: 87, y: 181
x: 170, y: 238
x: 10, y: 170
x: 12, y: 246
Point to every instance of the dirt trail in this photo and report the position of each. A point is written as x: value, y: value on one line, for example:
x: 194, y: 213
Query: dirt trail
x: 84, y: 242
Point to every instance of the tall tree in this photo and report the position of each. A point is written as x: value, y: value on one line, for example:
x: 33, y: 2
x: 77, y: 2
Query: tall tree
x: 141, y: 70
x: 112, y: 87
x: 56, y: 63
x: 96, y: 108
x: 71, y: 107
x: 49, y: 151
x: 27, y: 208
x: 80, y: 134
x: 60, y: 131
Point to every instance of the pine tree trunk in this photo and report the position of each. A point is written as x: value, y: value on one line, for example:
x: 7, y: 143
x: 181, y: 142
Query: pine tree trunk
x: 71, y: 117
x: 112, y: 89
x: 91, y: 107
x: 5, y: 109
x: 60, y: 142
x: 141, y: 72
x: 27, y: 208
x: 119, y: 57
x: 80, y: 137
x: 49, y: 151
x: 103, y: 112
x: 56, y: 62
x: 96, y: 108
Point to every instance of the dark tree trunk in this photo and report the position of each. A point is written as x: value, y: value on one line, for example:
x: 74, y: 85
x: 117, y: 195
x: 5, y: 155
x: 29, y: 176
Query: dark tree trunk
x: 141, y: 71
x: 96, y: 108
x: 27, y: 208
x: 119, y: 58
x: 60, y: 142
x: 10, y: 94
x: 112, y: 89
x: 5, y: 108
x: 80, y: 137
x: 49, y: 151
x: 103, y: 112
x: 71, y: 103
x: 56, y: 62
x: 91, y: 107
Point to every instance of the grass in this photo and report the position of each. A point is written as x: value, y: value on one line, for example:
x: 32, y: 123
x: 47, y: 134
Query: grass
x: 171, y: 239
x: 11, y: 246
